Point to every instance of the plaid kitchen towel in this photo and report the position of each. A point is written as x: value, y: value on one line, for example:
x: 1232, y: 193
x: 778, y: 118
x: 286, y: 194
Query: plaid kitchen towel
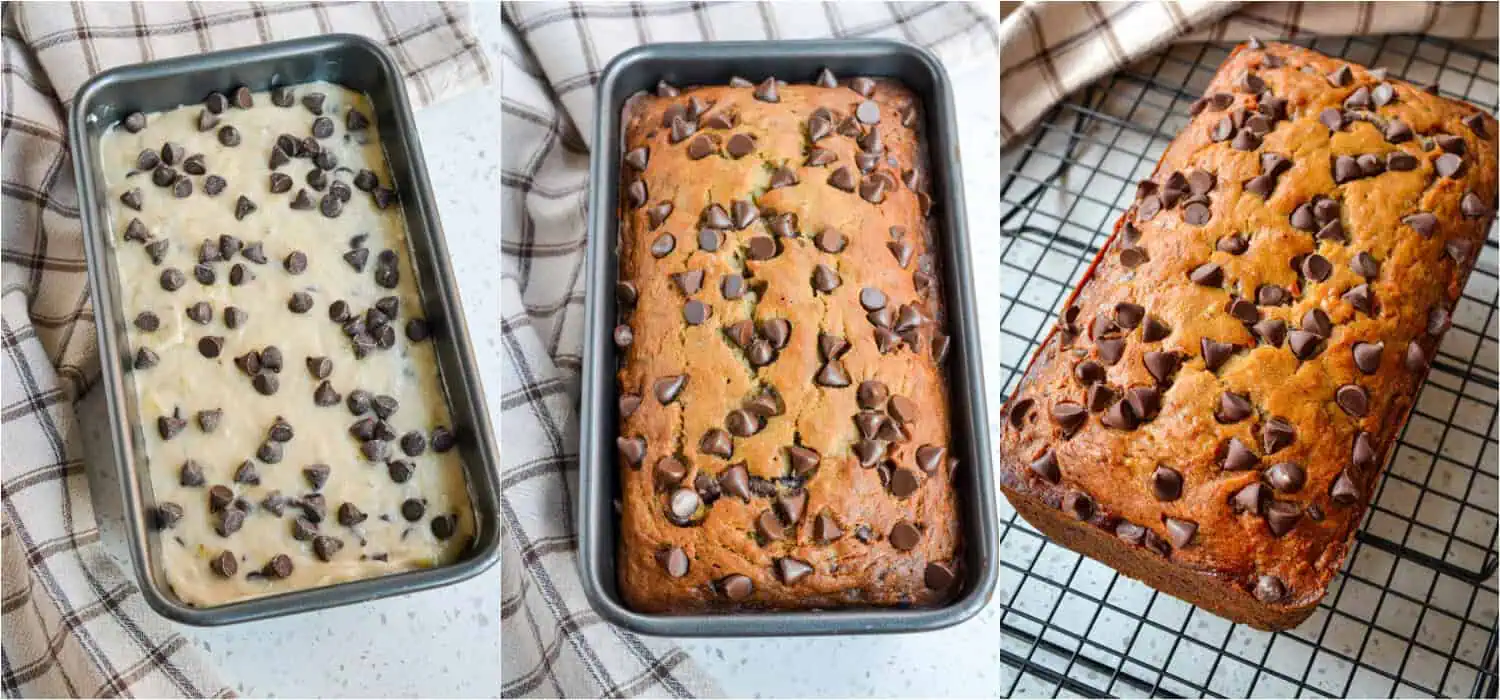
x: 552, y: 643
x: 75, y: 624
x: 1052, y: 49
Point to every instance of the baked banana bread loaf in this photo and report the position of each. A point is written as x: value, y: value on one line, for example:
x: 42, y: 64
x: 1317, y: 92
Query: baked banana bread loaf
x: 784, y: 425
x: 1212, y: 410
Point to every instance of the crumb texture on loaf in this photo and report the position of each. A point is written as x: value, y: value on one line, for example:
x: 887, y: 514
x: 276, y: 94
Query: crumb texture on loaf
x: 784, y: 438
x: 1220, y: 392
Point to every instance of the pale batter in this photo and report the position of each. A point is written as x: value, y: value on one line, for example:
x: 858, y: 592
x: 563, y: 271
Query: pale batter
x: 367, y: 441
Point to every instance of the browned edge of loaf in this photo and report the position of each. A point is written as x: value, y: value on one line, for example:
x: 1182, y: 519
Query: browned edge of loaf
x: 1203, y: 589
x: 848, y: 572
x: 1208, y: 589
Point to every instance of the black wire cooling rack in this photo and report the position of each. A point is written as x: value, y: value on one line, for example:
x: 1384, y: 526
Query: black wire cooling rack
x: 1414, y: 611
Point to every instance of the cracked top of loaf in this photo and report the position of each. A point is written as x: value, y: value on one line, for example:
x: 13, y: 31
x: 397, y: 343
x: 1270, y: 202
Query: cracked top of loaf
x: 1223, y: 387
x: 784, y: 437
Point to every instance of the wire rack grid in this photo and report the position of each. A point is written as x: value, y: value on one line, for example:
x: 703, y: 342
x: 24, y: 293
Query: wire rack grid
x: 1414, y: 611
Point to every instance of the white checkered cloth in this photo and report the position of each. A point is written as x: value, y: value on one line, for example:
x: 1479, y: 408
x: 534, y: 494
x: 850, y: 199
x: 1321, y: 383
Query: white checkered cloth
x: 1052, y: 49
x: 552, y: 643
x: 75, y: 624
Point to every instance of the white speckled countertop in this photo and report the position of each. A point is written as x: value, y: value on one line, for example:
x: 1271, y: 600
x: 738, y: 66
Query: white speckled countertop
x: 370, y: 649
x: 962, y: 661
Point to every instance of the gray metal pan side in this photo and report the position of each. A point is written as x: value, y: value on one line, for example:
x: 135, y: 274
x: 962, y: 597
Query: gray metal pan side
x: 797, y: 61
x: 363, y: 65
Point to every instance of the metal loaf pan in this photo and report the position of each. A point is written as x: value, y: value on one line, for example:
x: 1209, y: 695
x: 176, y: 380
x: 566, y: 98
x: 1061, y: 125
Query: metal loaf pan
x: 794, y: 61
x: 360, y: 64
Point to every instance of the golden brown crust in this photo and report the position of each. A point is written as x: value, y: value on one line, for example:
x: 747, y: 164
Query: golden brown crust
x: 721, y: 379
x: 1150, y: 262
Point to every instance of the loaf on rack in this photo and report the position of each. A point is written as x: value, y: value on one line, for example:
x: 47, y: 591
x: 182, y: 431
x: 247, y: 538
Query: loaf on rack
x: 1211, y: 412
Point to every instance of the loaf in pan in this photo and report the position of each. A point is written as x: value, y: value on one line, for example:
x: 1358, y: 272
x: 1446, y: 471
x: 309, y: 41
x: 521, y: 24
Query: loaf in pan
x: 1211, y: 413
x: 784, y: 434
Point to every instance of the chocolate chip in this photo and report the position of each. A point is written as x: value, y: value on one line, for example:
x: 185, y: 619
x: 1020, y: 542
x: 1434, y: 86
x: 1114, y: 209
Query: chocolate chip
x: 1382, y: 95
x: 843, y: 178
x: 190, y: 474
x: 1120, y: 416
x: 134, y: 122
x: 1316, y: 268
x: 1367, y: 356
x: 266, y: 383
x: 736, y: 587
x: 1161, y: 365
x: 1438, y: 321
x: 1207, y: 275
x: 210, y: 346
x: 331, y: 206
x: 207, y: 120
x: 340, y: 190
x: 1361, y: 299
x: 872, y: 299
x: 1365, y: 265
x: 1245, y: 140
x: 1269, y: 589
x: 1459, y: 250
x: 683, y: 507
x: 1166, y: 483
x: 1448, y: 165
x: 224, y: 565
x: 132, y: 198
x: 146, y: 358
x: 832, y: 374
x: 1397, y: 131
x: 1144, y: 402
x: 1069, y: 417
x: 1345, y: 169
x: 243, y: 207
x: 1370, y: 165
x: 1180, y: 531
x: 219, y: 497
x: 1244, y: 310
x: 1354, y: 399
x: 1305, y: 345
x: 1046, y: 467
x: 1215, y: 353
x: 1235, y: 456
x: 1250, y: 499
x: 1286, y: 477
x: 383, y: 197
x: 313, y: 101
x: 1472, y: 207
x: 1281, y: 517
x: 663, y: 245
x: 1400, y: 161
x: 279, y: 567
x: 1078, y: 504
x: 1416, y: 358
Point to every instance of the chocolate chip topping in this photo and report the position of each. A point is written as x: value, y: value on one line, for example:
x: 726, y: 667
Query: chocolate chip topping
x: 1180, y: 531
x: 224, y: 564
x: 1233, y: 408
x: 1269, y: 589
x: 1353, y: 399
x: 1207, y: 275
x: 1281, y: 517
x: 1166, y: 483
x: 1286, y: 477
x: 1235, y: 456
x: 1250, y: 499
x: 1161, y: 365
x: 1069, y: 417
x: 1276, y: 433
